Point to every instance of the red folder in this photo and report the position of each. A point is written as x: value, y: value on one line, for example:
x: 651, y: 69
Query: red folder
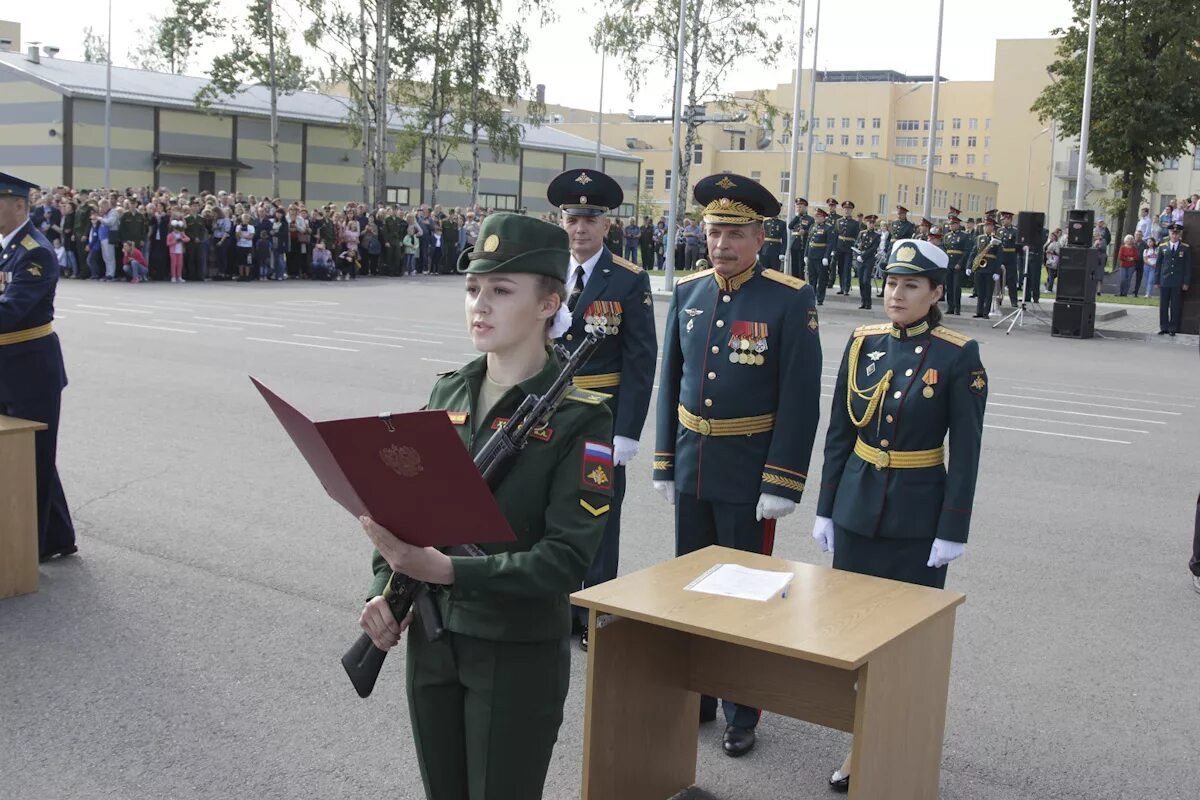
x: 408, y: 472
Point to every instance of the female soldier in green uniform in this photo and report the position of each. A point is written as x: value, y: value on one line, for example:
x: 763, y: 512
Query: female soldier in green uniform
x: 889, y: 505
x: 486, y: 699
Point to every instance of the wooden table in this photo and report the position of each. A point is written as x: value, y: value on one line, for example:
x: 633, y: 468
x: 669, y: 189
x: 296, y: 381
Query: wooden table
x: 799, y: 656
x: 18, y: 507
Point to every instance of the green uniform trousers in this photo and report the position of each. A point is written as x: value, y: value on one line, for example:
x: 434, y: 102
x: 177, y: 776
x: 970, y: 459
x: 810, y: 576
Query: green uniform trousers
x: 486, y: 714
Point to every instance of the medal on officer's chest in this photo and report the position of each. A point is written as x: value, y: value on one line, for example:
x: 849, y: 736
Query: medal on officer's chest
x: 748, y: 343
x: 930, y: 378
x: 603, y: 316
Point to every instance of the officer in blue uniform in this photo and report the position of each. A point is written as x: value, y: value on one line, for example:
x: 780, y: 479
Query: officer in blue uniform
x: 606, y: 292
x: 32, y: 375
x: 738, y: 396
x: 865, y: 250
x: 890, y: 506
x: 847, y: 233
x: 1009, y: 236
x: 1174, y: 278
x: 818, y: 254
x: 799, y: 226
x: 775, y: 234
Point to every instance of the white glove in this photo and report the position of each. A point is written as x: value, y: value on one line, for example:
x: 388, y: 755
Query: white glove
x: 996, y: 277
x: 624, y: 450
x: 824, y: 262
x: 666, y: 489
x: 858, y: 259
x: 968, y: 272
x: 823, y: 533
x: 772, y: 506
x: 943, y: 552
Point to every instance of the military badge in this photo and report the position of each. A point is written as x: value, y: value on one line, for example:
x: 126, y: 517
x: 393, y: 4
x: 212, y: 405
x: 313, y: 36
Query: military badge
x: 596, y: 471
x: 583, y: 178
x: 36, y: 271
x: 457, y: 417
x: 725, y: 183
x: 876, y: 355
x: 603, y: 316
x: 693, y: 313
x: 648, y: 300
x: 978, y: 382
x: 491, y: 243
x: 813, y: 323
x: 906, y: 253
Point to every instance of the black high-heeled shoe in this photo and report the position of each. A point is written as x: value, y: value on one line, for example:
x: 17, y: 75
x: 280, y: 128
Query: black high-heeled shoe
x: 838, y: 782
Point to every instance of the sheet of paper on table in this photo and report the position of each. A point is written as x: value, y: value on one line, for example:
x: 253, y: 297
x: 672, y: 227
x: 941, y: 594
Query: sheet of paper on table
x: 734, y: 580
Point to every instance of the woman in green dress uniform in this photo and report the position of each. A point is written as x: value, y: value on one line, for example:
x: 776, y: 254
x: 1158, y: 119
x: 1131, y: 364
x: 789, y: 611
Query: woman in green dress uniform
x: 890, y: 505
x: 486, y: 699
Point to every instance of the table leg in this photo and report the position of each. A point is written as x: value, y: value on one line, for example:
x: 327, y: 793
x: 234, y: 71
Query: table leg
x: 18, y: 515
x: 639, y: 740
x: 900, y: 717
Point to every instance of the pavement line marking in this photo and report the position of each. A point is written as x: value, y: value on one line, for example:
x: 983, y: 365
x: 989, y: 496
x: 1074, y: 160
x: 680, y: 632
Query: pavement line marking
x: 444, y: 361
x: 80, y: 311
x: 240, y: 322
x: 302, y: 344
x: 280, y: 319
x: 149, y: 327
x: 1093, y: 394
x: 1092, y: 405
x: 1081, y: 414
x: 1064, y: 435
x: 349, y: 341
x: 992, y: 414
x: 380, y: 336
x: 199, y: 324
x: 1095, y: 389
x: 113, y: 308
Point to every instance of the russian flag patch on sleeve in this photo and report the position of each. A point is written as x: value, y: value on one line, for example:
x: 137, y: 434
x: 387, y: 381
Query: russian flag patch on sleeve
x: 597, y: 470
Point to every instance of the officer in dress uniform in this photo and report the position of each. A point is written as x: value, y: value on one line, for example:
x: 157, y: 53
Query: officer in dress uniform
x: 922, y: 233
x: 739, y: 392
x: 955, y: 244
x: 864, y: 258
x: 847, y: 233
x: 834, y: 216
x: 817, y: 255
x: 901, y: 227
x: 985, y: 275
x: 1008, y: 236
x: 889, y: 505
x: 799, y: 226
x: 1174, y: 278
x: 32, y: 374
x: 775, y: 232
x: 608, y: 293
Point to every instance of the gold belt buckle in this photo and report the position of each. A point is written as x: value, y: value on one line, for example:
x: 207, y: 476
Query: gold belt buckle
x: 705, y: 427
x: 883, y: 459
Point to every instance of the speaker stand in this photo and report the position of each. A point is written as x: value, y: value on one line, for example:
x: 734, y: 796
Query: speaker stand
x: 1017, y: 317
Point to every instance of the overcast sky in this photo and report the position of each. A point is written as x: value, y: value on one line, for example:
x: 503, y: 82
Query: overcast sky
x: 861, y: 34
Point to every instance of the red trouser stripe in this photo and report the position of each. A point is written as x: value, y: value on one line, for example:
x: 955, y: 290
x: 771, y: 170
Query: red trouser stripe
x: 768, y: 536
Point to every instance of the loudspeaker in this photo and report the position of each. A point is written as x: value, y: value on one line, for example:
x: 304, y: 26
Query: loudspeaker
x: 1073, y: 320
x: 1080, y: 270
x: 1030, y: 225
x: 1080, y: 227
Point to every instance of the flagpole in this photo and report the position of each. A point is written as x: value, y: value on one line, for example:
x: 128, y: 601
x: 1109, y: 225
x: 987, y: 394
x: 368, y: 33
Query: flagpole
x: 933, y: 113
x: 812, y: 104
x: 672, y: 228
x: 795, y: 159
x: 1087, y: 107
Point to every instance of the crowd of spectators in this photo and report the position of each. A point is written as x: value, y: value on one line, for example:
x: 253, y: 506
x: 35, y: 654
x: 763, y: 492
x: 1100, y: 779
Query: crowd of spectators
x: 139, y: 235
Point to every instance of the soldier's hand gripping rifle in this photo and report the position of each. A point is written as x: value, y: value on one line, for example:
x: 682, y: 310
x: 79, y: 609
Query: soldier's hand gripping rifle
x: 364, y: 660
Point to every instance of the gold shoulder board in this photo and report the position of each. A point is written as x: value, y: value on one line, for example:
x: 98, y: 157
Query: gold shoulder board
x: 871, y: 330
x: 626, y: 264
x: 29, y: 243
x: 587, y: 396
x: 704, y: 273
x: 953, y: 337
x: 786, y: 280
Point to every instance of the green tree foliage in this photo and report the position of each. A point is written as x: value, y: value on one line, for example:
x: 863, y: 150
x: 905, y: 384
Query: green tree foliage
x: 95, y: 49
x: 720, y: 34
x: 172, y: 39
x: 1145, y: 91
x: 248, y: 60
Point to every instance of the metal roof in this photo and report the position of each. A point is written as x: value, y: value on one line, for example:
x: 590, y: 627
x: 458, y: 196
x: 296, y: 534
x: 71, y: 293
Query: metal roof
x: 84, y: 79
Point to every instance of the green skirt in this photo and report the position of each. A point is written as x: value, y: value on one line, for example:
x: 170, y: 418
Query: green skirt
x: 897, y: 559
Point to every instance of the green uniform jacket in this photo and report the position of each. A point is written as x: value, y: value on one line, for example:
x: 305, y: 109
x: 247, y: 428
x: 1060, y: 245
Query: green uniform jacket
x: 868, y: 245
x: 847, y: 233
x: 799, y: 226
x: 956, y: 244
x: 909, y: 503
x: 133, y: 227
x: 821, y: 237
x: 901, y: 229
x: 556, y: 499
x: 1175, y: 268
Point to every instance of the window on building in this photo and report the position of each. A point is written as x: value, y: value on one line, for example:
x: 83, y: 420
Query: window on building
x: 860, y: 140
x: 970, y: 159
x: 828, y: 139
x: 924, y: 160
x: 987, y: 123
x: 919, y: 196
x: 816, y: 122
x: 958, y: 199
x: 956, y: 123
x: 955, y: 141
x: 860, y: 123
x: 876, y: 122
x: 835, y: 186
x: 987, y: 159
x: 874, y: 155
x: 883, y: 209
x: 397, y: 195
x: 845, y: 122
x: 907, y: 141
x: 858, y: 154
x: 937, y: 161
x: 501, y: 202
x: 906, y: 161
x: 785, y: 182
x: 924, y: 124
x: 941, y: 125
x: 953, y: 158
x: 1170, y: 163
x: 845, y: 140
x: 987, y: 141
x: 983, y: 177
x: 875, y: 140
x: 648, y: 180
x: 973, y: 123
x: 756, y: 175
x: 829, y: 122
x: 1195, y: 159
x: 741, y: 143
x: 972, y: 141
x: 818, y: 147
x: 698, y: 154
x: 970, y: 174
x: 925, y: 142
x: 667, y: 182
x: 902, y: 193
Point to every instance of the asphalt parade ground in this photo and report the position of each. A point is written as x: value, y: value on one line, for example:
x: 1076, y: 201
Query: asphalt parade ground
x: 191, y: 650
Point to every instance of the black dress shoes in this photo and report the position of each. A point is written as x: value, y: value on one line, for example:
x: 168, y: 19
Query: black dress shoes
x: 69, y: 550
x: 839, y: 783
x: 583, y: 636
x: 738, y: 741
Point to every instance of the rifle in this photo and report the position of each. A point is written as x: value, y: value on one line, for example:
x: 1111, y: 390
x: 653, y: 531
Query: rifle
x: 364, y: 660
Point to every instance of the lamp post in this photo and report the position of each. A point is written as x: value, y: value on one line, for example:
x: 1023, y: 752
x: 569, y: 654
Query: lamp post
x: 108, y: 104
x: 812, y: 104
x: 1028, y: 165
x: 933, y: 111
x: 793, y: 184
x: 600, y: 110
x: 1086, y: 122
x: 892, y: 161
x: 672, y: 228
